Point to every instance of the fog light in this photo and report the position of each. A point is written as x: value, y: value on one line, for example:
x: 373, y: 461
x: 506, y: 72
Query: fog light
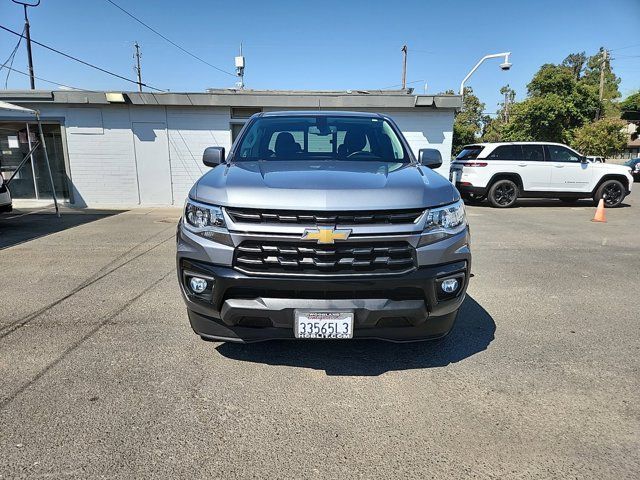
x: 449, y: 285
x: 197, y: 284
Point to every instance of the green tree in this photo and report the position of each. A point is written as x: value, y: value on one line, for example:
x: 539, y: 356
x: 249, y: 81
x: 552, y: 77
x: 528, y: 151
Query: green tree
x: 592, y: 76
x: 557, y: 103
x: 492, y: 130
x: 468, y: 123
x: 562, y: 102
x: 604, y: 137
x: 552, y: 79
x: 575, y: 62
x: 631, y: 103
x: 630, y: 107
x: 544, y: 118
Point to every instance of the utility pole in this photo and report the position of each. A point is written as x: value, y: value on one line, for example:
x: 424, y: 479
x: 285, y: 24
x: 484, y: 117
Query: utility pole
x: 506, y: 106
x: 27, y: 35
x: 404, y: 67
x: 603, y: 64
x: 137, y: 67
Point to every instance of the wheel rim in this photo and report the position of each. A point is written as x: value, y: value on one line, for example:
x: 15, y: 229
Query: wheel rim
x: 612, y: 194
x: 505, y: 194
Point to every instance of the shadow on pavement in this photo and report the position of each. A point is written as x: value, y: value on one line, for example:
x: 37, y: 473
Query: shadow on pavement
x: 22, y: 226
x: 473, y: 332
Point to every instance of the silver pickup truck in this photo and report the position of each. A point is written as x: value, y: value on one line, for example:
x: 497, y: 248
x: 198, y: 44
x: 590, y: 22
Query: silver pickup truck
x: 322, y: 225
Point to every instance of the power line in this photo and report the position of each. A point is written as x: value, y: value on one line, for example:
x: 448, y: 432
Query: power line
x: 81, y: 61
x: 10, y: 60
x: 623, y: 48
x: 168, y: 40
x: 49, y: 81
x: 400, y: 85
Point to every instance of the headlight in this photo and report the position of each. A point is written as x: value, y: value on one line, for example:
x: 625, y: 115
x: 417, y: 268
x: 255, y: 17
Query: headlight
x: 443, y: 222
x: 206, y: 221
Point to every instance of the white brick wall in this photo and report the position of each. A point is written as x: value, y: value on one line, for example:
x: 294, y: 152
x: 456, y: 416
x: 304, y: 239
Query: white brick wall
x: 103, y: 167
x: 190, y: 132
x: 426, y: 128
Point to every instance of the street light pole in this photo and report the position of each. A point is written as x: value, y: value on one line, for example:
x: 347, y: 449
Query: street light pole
x: 506, y: 65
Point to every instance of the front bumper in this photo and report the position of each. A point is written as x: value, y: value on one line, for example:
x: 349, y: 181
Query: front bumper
x: 465, y: 188
x: 249, y: 308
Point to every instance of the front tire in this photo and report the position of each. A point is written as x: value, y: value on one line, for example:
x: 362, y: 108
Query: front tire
x: 503, y: 194
x: 612, y: 192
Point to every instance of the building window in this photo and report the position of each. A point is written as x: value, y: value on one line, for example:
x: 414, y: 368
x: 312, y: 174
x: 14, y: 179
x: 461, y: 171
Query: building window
x: 235, y: 130
x: 244, y: 112
x: 239, y: 116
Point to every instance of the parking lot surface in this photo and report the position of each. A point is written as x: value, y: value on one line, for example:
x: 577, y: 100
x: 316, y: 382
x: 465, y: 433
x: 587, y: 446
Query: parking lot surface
x: 101, y: 376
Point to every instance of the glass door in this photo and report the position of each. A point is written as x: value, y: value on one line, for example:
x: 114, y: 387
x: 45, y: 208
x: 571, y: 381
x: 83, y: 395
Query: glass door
x: 32, y: 180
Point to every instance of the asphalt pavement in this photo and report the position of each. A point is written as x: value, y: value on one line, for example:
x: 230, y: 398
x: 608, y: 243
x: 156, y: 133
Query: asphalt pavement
x: 102, y: 377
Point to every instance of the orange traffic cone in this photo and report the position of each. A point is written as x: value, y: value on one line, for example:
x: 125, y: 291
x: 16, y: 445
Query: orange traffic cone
x: 599, y: 216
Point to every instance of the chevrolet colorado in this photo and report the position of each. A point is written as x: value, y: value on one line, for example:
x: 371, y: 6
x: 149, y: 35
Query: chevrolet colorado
x: 322, y: 225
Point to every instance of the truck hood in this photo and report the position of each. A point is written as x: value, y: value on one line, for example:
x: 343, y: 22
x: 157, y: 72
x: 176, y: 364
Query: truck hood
x: 323, y: 185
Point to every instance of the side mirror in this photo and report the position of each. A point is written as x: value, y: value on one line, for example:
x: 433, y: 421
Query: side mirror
x: 584, y: 160
x: 213, y: 156
x: 430, y: 157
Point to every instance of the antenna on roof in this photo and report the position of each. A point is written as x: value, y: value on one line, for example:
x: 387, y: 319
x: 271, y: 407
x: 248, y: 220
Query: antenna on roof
x: 240, y: 69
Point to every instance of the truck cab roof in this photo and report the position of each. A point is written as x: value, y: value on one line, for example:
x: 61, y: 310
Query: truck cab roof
x: 319, y: 113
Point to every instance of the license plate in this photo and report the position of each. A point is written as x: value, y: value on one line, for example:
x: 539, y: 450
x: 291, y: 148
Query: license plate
x: 323, y: 324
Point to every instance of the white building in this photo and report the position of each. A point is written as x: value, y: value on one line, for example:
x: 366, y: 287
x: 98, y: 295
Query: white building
x: 146, y: 148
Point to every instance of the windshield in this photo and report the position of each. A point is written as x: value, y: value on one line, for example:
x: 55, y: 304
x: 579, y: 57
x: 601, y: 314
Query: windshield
x: 321, y: 138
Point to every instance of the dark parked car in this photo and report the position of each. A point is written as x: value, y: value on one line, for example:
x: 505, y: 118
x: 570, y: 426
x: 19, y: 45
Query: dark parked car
x: 634, y: 165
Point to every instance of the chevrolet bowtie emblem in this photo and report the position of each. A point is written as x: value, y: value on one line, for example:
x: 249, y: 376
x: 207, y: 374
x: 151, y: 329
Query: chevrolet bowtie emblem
x: 325, y: 234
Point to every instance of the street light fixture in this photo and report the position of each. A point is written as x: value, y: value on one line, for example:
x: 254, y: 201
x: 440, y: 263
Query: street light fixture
x: 506, y: 65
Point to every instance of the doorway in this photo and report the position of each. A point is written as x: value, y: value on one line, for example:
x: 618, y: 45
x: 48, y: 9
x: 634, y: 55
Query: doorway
x: 32, y: 181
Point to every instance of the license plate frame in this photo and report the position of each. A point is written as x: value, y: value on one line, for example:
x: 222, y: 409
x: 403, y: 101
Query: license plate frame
x: 314, y: 320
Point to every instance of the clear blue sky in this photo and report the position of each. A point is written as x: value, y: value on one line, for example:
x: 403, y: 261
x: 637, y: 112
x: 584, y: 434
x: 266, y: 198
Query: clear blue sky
x: 322, y: 45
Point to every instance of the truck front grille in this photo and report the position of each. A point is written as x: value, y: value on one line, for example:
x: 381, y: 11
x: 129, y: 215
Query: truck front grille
x: 340, y: 258
x: 334, y: 218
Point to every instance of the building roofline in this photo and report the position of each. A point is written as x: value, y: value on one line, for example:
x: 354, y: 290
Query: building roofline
x: 284, y: 99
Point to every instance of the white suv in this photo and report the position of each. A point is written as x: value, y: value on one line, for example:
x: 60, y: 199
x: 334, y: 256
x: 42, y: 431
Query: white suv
x: 502, y: 172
